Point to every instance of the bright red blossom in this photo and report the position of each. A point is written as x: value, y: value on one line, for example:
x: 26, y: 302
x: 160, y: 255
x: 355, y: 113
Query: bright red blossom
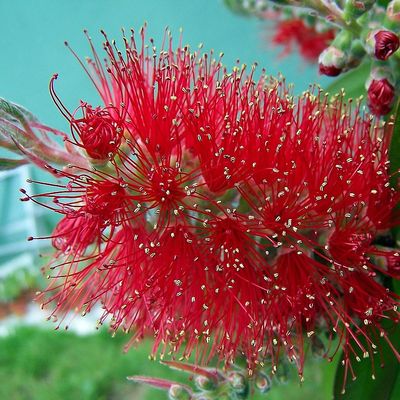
x: 310, y: 42
x: 233, y: 218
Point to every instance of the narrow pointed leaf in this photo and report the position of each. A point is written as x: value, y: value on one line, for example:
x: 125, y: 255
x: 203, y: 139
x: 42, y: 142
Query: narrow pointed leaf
x: 9, y: 109
x: 158, y: 383
x: 10, y: 133
x: 155, y: 382
x: 192, y: 369
x: 7, y: 164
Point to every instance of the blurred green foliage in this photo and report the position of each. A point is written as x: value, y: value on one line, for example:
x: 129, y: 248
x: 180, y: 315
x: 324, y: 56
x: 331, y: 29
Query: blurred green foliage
x: 40, y: 364
x: 18, y: 281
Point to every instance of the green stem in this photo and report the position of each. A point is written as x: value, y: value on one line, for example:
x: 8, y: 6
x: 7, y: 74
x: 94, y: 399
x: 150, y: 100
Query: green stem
x: 333, y: 13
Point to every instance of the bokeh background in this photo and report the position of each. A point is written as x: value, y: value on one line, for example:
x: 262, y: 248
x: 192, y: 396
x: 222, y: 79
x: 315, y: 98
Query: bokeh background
x: 35, y: 361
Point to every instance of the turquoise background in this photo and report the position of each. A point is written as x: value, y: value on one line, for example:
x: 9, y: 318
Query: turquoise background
x: 32, y: 33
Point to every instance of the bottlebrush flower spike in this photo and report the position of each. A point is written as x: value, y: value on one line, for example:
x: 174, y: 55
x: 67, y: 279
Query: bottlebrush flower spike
x: 310, y: 42
x: 234, y: 218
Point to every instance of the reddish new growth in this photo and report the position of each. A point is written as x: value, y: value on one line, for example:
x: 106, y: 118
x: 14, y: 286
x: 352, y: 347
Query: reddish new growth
x: 233, y: 218
x: 310, y: 42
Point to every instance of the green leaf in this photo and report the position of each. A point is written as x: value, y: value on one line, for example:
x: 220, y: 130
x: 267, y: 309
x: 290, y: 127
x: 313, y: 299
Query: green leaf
x: 7, y: 109
x: 15, y: 126
x: 396, y: 288
x: 386, y: 385
x: 10, y: 133
x: 7, y: 164
x: 387, y: 377
x: 352, y: 82
x: 394, y: 157
x: 394, y: 153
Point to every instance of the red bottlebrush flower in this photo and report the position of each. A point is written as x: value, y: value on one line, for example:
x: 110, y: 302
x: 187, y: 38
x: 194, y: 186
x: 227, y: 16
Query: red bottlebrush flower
x: 382, y: 43
x: 234, y: 217
x: 381, y: 94
x: 309, y: 41
x: 149, y: 93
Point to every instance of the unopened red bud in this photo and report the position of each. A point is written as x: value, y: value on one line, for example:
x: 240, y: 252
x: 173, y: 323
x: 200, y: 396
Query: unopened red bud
x: 99, y: 131
x: 381, y: 94
x: 204, y: 383
x: 178, y: 392
x: 238, y: 382
x: 393, y: 11
x: 263, y: 383
x: 382, y: 43
x: 332, y: 61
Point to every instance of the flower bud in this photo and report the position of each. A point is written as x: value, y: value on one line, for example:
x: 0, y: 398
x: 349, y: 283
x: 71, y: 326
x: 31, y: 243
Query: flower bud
x: 381, y: 93
x: 204, y: 383
x: 382, y: 43
x: 263, y: 383
x: 238, y: 382
x: 178, y: 392
x: 393, y: 11
x: 332, y: 61
x: 99, y: 131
